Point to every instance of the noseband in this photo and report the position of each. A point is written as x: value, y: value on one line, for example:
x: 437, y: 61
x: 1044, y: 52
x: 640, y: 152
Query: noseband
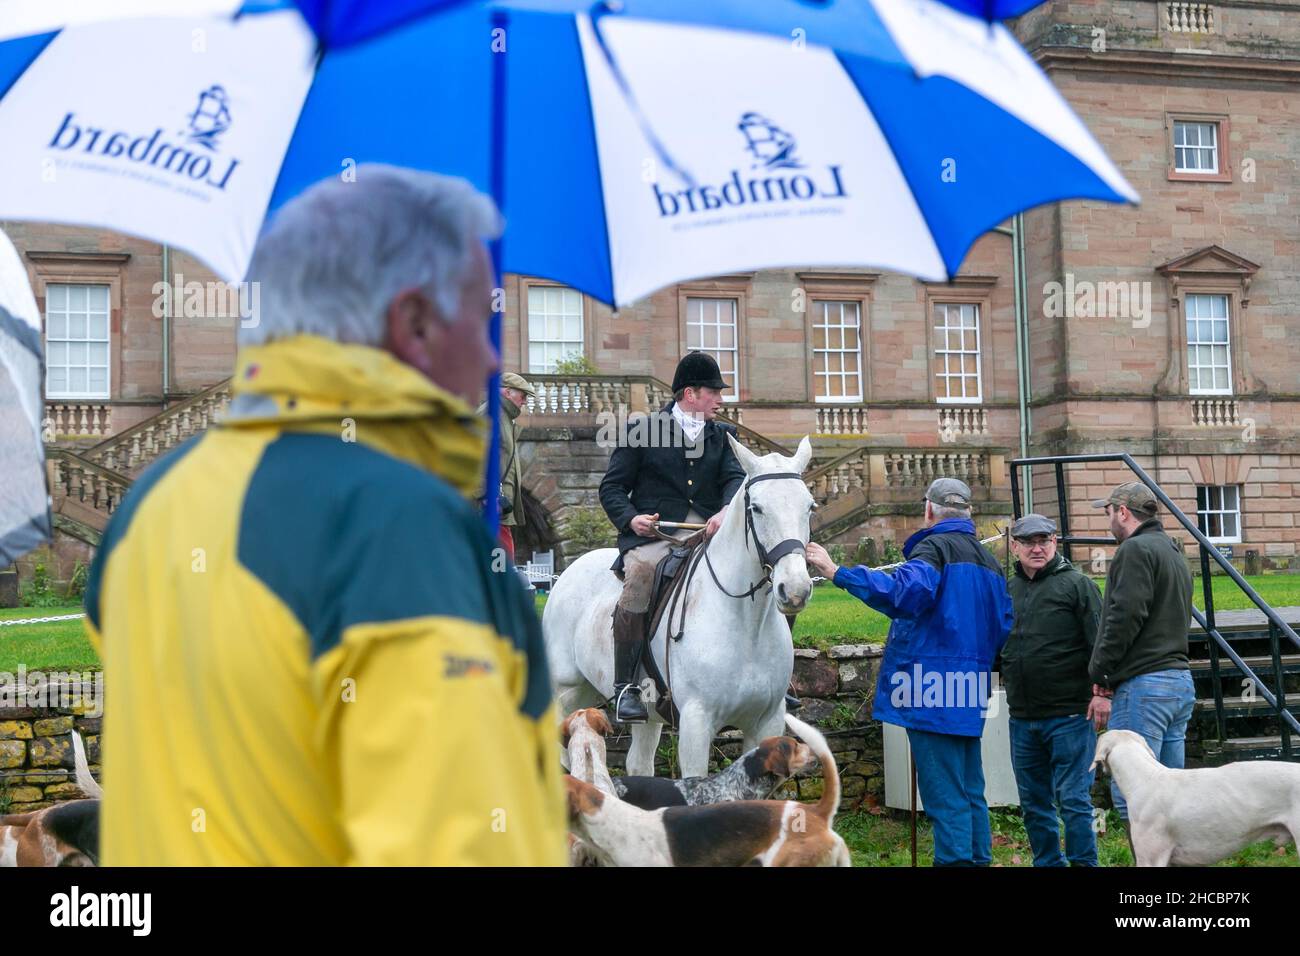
x: 767, y: 558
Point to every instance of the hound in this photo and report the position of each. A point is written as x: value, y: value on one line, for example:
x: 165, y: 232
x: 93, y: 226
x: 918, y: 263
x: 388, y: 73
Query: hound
x: 66, y: 834
x: 1198, y: 817
x: 583, y: 733
x: 753, y: 777
x: 739, y: 833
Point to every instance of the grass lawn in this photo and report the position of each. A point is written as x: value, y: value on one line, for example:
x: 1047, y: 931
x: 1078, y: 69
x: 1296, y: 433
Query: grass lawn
x: 59, y: 645
x: 885, y: 840
x: 833, y: 617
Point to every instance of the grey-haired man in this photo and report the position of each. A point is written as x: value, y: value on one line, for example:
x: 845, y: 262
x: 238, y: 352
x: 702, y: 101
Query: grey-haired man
x: 1045, y: 671
x: 1139, y: 663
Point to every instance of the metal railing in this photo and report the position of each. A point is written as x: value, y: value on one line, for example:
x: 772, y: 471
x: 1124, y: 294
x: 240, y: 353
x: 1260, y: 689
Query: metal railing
x: 1215, y: 641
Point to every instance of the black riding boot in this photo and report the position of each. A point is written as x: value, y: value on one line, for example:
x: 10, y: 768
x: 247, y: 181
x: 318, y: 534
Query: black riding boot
x: 629, y: 633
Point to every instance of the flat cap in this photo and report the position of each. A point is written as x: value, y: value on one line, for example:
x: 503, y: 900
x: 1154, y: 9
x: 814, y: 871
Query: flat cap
x: 515, y: 380
x: 1133, y: 495
x: 949, y: 492
x: 1031, y: 525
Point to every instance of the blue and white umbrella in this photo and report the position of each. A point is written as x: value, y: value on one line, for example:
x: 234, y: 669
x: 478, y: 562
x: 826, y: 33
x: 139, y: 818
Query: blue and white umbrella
x: 628, y: 150
x: 630, y: 155
x: 24, y: 498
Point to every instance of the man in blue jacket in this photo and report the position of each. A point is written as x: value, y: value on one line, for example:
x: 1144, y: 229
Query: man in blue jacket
x: 951, y: 614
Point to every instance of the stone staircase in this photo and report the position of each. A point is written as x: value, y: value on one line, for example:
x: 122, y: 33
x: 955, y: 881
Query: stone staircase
x: 88, y: 484
x: 847, y: 485
x: 563, y: 469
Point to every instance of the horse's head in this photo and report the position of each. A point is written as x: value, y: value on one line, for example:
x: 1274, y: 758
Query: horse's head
x: 780, y: 515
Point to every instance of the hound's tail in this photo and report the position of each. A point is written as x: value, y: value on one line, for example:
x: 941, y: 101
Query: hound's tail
x: 830, y: 801
x: 85, y: 782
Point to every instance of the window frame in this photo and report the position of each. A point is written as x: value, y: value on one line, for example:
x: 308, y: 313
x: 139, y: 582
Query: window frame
x: 735, y: 288
x: 1203, y: 526
x: 837, y: 287
x: 935, y: 352
x: 526, y: 286
x: 1223, y: 132
x: 821, y: 300
x: 46, y: 268
x: 1229, y: 390
x: 67, y: 394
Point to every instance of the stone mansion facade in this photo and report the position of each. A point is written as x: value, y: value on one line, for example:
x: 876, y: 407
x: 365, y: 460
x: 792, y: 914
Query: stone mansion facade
x: 1169, y: 330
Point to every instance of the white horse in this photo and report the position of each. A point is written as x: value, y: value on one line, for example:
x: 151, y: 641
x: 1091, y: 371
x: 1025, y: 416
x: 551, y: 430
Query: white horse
x: 734, y: 662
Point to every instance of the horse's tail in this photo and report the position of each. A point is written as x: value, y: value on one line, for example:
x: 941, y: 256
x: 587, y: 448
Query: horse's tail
x: 830, y: 800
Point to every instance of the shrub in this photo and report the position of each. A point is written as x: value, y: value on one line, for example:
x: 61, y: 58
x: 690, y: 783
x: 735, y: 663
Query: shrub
x: 587, y: 529
x: 39, y: 591
x: 77, y: 583
x: 575, y: 363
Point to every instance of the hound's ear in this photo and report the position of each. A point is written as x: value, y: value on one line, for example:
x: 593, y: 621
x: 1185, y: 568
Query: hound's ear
x: 564, y: 728
x: 748, y: 460
x: 802, y: 455
x: 599, y: 722
x: 572, y: 796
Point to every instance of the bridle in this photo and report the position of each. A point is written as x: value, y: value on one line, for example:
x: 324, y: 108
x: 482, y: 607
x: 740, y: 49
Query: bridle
x: 767, y: 558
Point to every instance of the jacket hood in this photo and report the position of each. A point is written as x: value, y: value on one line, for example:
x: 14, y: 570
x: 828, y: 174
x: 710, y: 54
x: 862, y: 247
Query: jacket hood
x: 946, y: 526
x: 308, y: 383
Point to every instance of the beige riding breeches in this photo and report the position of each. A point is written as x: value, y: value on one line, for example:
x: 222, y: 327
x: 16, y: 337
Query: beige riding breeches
x: 639, y: 569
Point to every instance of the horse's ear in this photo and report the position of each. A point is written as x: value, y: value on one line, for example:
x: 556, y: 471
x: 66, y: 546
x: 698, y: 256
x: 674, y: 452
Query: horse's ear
x: 748, y: 460
x: 803, y: 455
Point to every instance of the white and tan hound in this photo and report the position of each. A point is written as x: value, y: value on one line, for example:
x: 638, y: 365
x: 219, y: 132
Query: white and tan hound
x: 739, y: 833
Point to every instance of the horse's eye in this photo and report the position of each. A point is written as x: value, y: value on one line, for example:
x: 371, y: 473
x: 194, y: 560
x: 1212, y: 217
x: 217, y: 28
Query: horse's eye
x: 757, y: 510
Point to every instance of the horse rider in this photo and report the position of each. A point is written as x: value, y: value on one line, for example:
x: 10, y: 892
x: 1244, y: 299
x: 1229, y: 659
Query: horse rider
x: 682, y: 469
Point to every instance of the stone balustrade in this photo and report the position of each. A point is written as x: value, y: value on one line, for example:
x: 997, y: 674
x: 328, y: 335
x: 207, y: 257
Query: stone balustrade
x: 1183, y: 17
x: 100, y: 488
x: 841, y: 419
x: 918, y: 469
x: 1215, y: 412
x: 848, y: 473
x: 142, y: 443
x: 962, y: 421
x: 65, y: 419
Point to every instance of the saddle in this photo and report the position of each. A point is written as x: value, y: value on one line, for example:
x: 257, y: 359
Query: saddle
x: 669, y: 585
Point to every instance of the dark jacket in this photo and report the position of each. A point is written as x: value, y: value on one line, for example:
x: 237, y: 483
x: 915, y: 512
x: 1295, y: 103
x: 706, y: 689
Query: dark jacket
x: 511, y: 489
x: 1147, y: 610
x: 1045, y: 660
x: 654, y: 471
x: 951, y: 616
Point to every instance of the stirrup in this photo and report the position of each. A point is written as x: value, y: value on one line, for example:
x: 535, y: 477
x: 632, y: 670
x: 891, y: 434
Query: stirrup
x: 628, y: 706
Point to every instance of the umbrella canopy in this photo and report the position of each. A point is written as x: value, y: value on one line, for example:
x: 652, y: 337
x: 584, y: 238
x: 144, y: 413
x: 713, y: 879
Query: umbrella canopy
x: 698, y: 152
x: 25, y: 503
x: 843, y: 24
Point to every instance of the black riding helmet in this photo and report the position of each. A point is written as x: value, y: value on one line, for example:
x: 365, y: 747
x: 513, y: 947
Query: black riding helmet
x: 697, y: 370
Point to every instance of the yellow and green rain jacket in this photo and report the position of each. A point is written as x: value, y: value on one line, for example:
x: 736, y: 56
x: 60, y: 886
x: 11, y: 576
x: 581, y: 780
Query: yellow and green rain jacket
x: 311, y: 654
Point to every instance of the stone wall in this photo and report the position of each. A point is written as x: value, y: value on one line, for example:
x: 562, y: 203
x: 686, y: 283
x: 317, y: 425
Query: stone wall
x: 36, y: 766
x: 836, y: 687
x: 36, y: 763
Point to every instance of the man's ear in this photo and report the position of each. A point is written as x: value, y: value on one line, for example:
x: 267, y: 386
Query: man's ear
x: 410, y: 321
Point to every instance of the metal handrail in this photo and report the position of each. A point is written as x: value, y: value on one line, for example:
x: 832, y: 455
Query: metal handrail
x: 1216, y: 641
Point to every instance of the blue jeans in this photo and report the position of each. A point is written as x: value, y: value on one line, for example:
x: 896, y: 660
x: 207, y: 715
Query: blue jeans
x: 1157, y: 706
x: 950, y: 780
x: 1051, y: 758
